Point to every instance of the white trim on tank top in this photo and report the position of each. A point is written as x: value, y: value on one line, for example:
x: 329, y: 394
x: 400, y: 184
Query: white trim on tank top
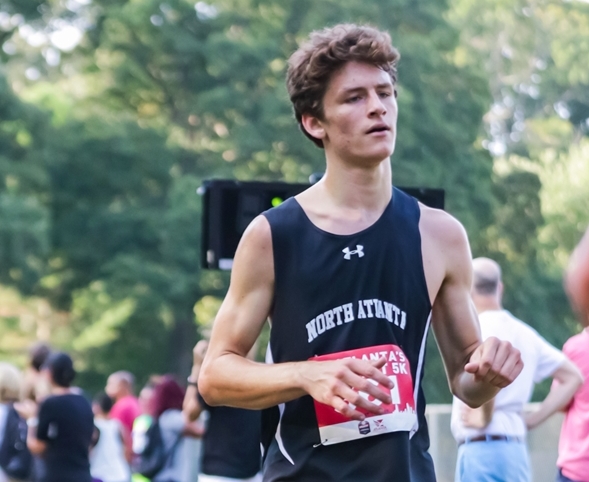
x: 418, y: 372
x: 278, y: 435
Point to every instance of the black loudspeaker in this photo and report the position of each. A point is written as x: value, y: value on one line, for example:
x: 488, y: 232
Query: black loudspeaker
x: 229, y: 206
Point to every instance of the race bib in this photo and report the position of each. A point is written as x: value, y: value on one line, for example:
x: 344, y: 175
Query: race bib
x: 399, y: 415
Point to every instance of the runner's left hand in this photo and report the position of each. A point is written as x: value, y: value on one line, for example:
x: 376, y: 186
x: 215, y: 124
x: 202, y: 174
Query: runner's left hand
x: 496, y: 362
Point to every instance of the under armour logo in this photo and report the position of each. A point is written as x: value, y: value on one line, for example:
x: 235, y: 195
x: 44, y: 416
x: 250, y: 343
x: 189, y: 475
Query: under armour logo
x: 348, y: 253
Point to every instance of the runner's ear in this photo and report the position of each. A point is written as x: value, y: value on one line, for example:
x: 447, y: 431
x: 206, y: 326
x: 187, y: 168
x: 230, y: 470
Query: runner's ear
x: 313, y: 126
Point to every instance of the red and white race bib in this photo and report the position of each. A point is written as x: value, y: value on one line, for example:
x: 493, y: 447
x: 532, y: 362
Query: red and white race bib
x: 399, y: 415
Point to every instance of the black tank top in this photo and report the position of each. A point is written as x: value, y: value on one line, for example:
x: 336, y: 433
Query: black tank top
x: 335, y: 293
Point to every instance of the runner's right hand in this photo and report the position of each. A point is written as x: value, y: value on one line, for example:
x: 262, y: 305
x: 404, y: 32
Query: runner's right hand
x: 337, y: 383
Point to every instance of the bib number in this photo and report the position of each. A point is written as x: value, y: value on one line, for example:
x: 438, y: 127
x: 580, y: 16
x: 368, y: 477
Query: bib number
x: 399, y: 415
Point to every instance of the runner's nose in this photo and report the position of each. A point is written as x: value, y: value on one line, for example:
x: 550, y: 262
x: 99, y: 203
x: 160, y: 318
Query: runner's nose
x: 376, y: 105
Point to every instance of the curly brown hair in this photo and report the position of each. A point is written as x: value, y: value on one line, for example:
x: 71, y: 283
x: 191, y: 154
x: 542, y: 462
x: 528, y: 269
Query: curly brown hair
x: 310, y: 68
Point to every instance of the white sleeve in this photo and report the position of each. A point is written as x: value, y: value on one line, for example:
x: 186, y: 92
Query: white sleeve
x: 173, y: 420
x: 549, y: 359
x: 456, y: 426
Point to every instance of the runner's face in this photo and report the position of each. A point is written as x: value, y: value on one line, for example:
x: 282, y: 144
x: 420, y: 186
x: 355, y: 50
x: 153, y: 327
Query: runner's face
x: 360, y: 114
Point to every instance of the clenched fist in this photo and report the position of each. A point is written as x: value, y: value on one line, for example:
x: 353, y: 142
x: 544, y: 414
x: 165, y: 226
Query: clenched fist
x: 495, y: 362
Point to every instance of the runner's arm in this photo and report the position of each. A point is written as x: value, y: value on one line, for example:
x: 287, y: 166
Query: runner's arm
x: 228, y: 378
x: 476, y: 370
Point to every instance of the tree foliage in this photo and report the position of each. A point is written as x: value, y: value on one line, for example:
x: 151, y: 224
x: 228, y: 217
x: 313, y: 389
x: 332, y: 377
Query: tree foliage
x: 104, y: 141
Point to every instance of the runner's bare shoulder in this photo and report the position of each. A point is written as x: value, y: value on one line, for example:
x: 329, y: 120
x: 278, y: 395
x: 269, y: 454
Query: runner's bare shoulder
x: 254, y: 257
x: 439, y: 228
x: 444, y: 244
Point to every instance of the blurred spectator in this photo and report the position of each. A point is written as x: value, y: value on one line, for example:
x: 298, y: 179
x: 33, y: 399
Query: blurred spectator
x: 64, y: 429
x: 497, y: 431
x: 577, y: 279
x: 107, y: 458
x: 35, y: 386
x: 143, y: 421
x: 231, y: 443
x: 573, y: 447
x: 119, y: 387
x: 166, y: 408
x: 10, y: 389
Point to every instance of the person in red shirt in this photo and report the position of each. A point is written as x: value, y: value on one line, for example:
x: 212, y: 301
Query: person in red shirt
x: 119, y: 387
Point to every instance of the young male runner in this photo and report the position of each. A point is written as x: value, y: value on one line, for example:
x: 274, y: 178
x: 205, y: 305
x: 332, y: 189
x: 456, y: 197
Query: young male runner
x: 350, y: 273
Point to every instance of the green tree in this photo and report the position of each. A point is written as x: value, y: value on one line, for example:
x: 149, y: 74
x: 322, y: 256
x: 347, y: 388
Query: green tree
x: 24, y: 220
x: 536, y: 127
x: 157, y: 97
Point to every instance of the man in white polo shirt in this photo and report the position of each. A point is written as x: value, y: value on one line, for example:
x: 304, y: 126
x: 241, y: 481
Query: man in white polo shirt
x: 492, y: 438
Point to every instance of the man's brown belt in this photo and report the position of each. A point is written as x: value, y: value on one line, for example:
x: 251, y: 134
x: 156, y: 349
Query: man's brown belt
x: 492, y: 438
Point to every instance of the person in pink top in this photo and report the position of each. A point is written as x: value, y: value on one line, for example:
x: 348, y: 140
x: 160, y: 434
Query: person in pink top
x: 573, y: 447
x: 126, y: 409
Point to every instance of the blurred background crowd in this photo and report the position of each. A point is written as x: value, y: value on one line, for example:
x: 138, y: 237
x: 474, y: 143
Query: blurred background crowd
x: 59, y: 434
x: 114, y: 112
